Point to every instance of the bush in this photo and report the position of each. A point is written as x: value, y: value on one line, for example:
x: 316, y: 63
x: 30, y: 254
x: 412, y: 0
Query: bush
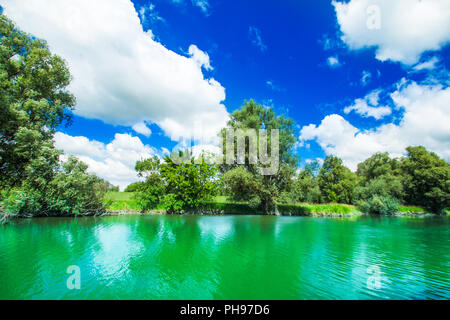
x: 72, y: 191
x: 134, y: 187
x: 380, y: 205
x: 22, y: 202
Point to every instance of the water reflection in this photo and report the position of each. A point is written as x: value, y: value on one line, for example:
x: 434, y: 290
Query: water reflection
x: 230, y: 257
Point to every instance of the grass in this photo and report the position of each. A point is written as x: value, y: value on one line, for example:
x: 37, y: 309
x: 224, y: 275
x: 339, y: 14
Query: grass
x: 122, y: 201
x: 115, y: 196
x: 411, y: 209
x: 318, y: 209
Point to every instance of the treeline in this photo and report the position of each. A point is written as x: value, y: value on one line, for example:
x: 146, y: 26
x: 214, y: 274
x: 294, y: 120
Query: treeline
x: 34, y: 101
x: 379, y: 186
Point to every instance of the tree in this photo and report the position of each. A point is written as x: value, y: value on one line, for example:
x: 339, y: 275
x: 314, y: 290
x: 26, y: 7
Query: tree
x: 34, y: 100
x: 71, y: 191
x: 134, y: 187
x: 380, y: 176
x: 378, y: 165
x: 177, y: 187
x: 306, y: 187
x: 150, y: 193
x: 264, y: 190
x: 426, y: 179
x: 336, y: 181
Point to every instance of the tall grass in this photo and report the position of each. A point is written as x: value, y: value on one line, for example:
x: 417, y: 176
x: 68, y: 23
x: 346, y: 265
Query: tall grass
x: 411, y: 209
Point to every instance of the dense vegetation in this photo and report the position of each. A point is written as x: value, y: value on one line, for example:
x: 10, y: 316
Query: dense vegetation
x: 34, y: 181
x: 379, y: 186
x: 34, y: 101
x: 176, y: 187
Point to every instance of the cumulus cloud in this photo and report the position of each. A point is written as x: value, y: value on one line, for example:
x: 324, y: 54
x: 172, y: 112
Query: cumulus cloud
x: 114, y: 161
x: 142, y: 128
x: 121, y: 74
x: 400, y: 30
x: 369, y: 107
x: 426, y: 115
x: 200, y: 57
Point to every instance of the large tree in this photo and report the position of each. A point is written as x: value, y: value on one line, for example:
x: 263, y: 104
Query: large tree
x: 426, y: 179
x: 336, y: 181
x: 379, y: 175
x: 245, y: 181
x: 34, y: 100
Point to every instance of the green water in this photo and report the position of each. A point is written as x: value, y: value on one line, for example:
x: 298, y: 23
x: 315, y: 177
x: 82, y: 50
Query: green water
x: 229, y: 257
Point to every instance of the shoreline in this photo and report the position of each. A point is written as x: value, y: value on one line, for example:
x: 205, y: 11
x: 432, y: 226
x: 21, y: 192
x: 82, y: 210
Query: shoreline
x: 5, y: 218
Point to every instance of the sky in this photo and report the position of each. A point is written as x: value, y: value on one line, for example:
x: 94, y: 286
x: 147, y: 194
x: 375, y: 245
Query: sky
x: 358, y: 76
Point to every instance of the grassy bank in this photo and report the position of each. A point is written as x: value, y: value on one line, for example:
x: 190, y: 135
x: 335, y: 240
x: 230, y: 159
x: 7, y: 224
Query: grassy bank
x: 123, y: 201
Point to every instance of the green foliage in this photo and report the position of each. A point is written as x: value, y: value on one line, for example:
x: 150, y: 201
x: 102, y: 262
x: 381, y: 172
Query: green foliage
x: 426, y: 179
x: 134, y: 187
x: 411, y: 209
x: 33, y: 102
x: 309, y: 209
x: 72, y: 191
x: 244, y: 182
x: 305, y: 187
x: 122, y: 201
x: 385, y: 186
x: 150, y: 194
x: 380, y: 205
x: 23, y: 203
x: 177, y: 187
x: 336, y: 181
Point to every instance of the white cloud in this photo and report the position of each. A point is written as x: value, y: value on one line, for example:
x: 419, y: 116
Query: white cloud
x: 200, y: 57
x: 148, y: 14
x: 255, y: 35
x: 429, y: 64
x: 333, y: 62
x: 425, y: 122
x: 142, y: 128
x: 114, y: 161
x: 401, y: 30
x: 369, y: 107
x: 121, y: 75
x: 203, y: 5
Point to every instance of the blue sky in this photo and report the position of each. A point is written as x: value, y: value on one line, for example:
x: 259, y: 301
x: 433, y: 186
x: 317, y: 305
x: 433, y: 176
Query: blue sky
x: 357, y: 76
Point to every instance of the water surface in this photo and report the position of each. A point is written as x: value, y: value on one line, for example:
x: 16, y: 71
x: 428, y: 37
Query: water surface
x: 227, y: 257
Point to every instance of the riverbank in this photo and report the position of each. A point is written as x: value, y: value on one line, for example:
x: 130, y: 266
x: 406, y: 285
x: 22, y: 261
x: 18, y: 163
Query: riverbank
x: 124, y: 204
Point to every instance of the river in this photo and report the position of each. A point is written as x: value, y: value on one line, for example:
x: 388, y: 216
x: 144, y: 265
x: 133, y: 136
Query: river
x: 226, y: 257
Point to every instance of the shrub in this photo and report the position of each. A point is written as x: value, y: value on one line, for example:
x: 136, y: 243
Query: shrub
x: 22, y: 202
x: 380, y: 205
